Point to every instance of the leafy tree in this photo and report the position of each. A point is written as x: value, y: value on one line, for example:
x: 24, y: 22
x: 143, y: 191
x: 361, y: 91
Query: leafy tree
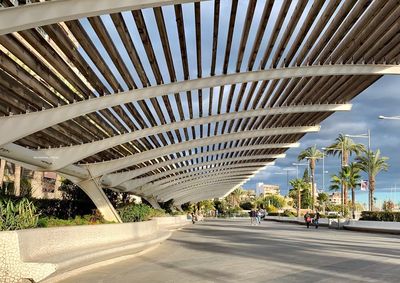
x: 348, y: 177
x: 388, y: 205
x: 312, y: 154
x: 298, y: 186
x: 247, y: 205
x: 275, y: 200
x: 305, y: 197
x: 322, y: 199
x: 221, y: 206
x: 206, y: 205
x: 345, y: 147
x: 306, y: 176
x: 372, y: 163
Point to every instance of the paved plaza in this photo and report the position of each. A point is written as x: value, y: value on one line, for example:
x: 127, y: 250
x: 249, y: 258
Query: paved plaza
x: 235, y: 251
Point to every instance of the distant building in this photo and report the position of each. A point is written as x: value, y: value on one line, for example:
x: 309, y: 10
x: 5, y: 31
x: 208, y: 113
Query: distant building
x: 267, y: 189
x: 15, y: 180
x: 335, y: 198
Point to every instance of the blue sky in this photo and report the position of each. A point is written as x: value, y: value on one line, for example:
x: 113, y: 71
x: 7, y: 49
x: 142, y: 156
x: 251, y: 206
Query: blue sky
x: 382, y: 98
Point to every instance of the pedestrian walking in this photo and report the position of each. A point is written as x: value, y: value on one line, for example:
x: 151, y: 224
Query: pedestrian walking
x: 253, y: 215
x: 307, y: 219
x: 258, y: 216
x: 316, y: 219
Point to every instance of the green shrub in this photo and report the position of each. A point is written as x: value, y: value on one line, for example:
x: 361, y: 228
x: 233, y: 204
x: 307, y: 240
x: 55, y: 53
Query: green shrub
x: 271, y: 209
x: 380, y: 216
x: 17, y: 215
x: 246, y: 205
x: 139, y: 212
x: 288, y: 213
x: 89, y: 219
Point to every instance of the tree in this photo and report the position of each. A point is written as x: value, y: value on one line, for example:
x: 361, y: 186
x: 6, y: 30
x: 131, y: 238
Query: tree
x: 206, y: 206
x: 322, y: 199
x: 388, y: 205
x: 312, y: 154
x: 372, y: 163
x: 345, y: 147
x: 275, y: 200
x: 348, y: 177
x: 234, y: 197
x: 298, y: 186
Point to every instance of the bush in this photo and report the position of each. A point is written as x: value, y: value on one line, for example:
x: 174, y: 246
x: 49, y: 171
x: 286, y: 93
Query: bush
x: 246, y: 205
x: 85, y: 220
x: 17, y: 215
x: 139, y: 212
x: 380, y: 216
x: 271, y: 209
x: 288, y: 213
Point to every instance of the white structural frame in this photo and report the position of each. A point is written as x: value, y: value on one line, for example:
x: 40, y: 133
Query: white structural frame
x: 50, y: 117
x: 71, y: 154
x: 136, y: 183
x: 181, y: 177
x: 199, y: 186
x: 99, y: 169
x: 147, y: 187
x: 168, y: 192
x: 113, y: 180
x: 39, y: 14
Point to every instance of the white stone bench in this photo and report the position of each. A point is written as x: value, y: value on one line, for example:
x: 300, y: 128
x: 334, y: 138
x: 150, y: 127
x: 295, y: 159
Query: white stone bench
x: 57, y: 252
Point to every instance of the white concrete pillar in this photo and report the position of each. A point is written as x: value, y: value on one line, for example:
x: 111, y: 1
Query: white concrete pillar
x: 153, y: 201
x: 99, y: 198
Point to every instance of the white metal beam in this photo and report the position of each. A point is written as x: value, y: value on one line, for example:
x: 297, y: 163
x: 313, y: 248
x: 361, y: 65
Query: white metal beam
x: 71, y: 154
x: 113, y: 180
x: 154, y: 188
x: 197, y: 188
x: 136, y: 183
x: 188, y: 184
x: 213, y: 188
x: 99, y: 169
x: 19, y: 126
x: 51, y: 12
x: 181, y: 177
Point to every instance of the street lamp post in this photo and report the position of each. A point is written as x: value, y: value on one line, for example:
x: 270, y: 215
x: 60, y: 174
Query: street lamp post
x: 287, y: 176
x: 342, y: 164
x: 297, y: 167
x: 365, y: 136
x: 389, y: 117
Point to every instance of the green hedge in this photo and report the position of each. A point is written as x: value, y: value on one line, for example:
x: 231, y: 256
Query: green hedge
x: 139, y: 212
x: 380, y: 216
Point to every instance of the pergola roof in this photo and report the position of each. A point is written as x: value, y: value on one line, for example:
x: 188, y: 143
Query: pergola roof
x: 181, y: 99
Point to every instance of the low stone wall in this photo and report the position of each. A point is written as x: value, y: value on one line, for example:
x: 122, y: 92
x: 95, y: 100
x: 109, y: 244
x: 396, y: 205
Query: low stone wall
x: 171, y: 221
x: 374, y: 226
x: 28, y: 253
x: 322, y: 221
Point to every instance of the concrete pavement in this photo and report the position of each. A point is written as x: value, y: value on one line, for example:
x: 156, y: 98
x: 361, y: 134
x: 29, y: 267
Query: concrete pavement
x: 234, y: 251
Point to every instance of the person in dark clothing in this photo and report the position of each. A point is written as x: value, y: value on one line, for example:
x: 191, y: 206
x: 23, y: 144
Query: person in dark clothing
x: 316, y: 219
x: 307, y: 219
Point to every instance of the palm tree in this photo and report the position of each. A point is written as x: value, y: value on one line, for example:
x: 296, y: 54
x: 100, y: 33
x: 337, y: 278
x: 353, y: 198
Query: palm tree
x: 349, y: 176
x: 298, y: 185
x: 312, y: 154
x: 372, y: 163
x: 345, y: 147
x: 236, y: 196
